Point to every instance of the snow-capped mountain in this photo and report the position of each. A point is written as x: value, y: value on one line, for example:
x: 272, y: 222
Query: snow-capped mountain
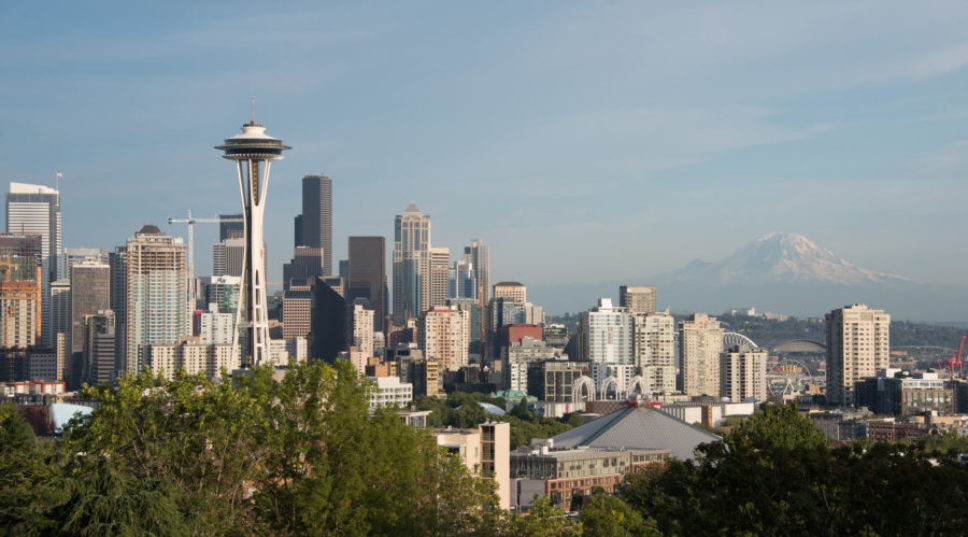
x: 781, y: 258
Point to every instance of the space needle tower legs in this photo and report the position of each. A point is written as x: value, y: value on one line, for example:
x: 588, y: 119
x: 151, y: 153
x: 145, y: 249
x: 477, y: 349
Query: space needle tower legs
x: 253, y: 152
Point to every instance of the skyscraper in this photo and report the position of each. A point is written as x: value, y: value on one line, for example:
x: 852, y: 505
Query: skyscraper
x: 36, y: 210
x: 367, y: 275
x: 253, y: 150
x: 439, y: 270
x: 637, y: 298
x: 316, y: 221
x: 411, y: 264
x: 155, y: 293
x: 480, y: 257
x: 858, y: 345
x: 700, y: 343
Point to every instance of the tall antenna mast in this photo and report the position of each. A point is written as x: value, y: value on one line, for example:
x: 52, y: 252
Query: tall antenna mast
x: 253, y: 109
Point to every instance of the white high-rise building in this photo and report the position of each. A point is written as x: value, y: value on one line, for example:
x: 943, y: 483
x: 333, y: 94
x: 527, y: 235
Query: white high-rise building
x: 155, y: 293
x: 607, y: 334
x: 700, y: 343
x: 743, y: 374
x: 655, y: 350
x: 36, y: 210
x: 444, y: 335
x: 858, y: 345
x: 363, y: 330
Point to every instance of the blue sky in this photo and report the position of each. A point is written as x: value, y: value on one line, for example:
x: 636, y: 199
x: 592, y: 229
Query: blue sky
x: 583, y: 142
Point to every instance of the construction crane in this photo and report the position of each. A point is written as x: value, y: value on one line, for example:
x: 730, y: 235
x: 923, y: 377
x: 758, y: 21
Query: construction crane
x: 191, y: 221
x: 955, y: 360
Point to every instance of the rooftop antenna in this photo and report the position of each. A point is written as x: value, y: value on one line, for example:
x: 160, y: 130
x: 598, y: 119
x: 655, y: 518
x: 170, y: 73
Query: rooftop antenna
x: 253, y: 109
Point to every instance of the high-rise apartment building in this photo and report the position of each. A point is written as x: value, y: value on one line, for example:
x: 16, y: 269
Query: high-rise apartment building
x: 743, y: 374
x: 155, y: 293
x: 439, y: 269
x: 655, y: 350
x: 444, y: 333
x: 700, y: 343
x: 367, y: 276
x: 411, y: 264
x: 315, y: 224
x: 606, y: 334
x: 363, y: 330
x: 20, y: 303
x: 36, y: 210
x: 637, y: 298
x: 60, y: 327
x: 858, y: 345
x: 224, y: 292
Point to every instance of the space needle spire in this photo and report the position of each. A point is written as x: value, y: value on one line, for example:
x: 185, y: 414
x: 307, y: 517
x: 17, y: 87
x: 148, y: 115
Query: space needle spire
x: 253, y: 152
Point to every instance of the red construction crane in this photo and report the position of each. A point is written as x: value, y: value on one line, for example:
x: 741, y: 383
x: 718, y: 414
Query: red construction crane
x: 955, y: 360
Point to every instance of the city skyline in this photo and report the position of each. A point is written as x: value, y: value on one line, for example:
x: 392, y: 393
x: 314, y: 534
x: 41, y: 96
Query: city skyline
x: 757, y: 117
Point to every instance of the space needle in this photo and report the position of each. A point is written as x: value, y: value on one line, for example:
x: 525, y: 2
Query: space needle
x: 253, y: 152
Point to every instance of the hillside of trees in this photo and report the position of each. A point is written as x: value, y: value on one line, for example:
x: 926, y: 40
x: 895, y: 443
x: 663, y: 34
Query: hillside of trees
x: 303, y: 457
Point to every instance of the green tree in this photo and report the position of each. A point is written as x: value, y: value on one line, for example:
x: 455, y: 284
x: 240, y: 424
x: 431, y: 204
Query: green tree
x: 104, y: 501
x: 608, y: 516
x: 27, y: 492
x: 542, y: 520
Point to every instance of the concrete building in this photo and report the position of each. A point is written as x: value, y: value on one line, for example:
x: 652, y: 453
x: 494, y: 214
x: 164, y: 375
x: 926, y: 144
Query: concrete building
x: 189, y: 355
x: 555, y: 335
x: 61, y: 328
x: 363, y: 330
x: 36, y: 210
x: 444, y: 333
x: 858, y: 345
x: 607, y: 334
x: 637, y: 299
x: 485, y: 452
x: 743, y: 374
x: 700, y: 344
x: 155, y: 294
x: 655, y: 350
x: 367, y: 276
x: 389, y: 392
x: 411, y: 264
